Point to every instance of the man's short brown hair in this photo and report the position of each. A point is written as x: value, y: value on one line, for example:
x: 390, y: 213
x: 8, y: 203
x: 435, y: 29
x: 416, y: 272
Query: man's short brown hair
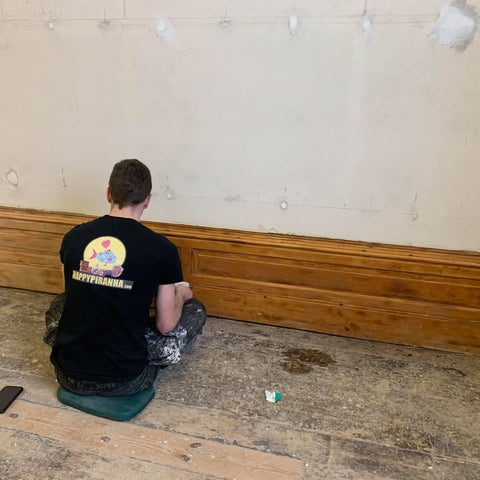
x: 130, y: 182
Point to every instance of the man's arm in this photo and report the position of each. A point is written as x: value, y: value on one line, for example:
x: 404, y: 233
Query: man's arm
x: 169, y: 304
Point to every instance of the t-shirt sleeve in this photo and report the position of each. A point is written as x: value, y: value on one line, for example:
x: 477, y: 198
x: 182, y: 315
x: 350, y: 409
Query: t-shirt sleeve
x: 171, y: 267
x: 64, y: 247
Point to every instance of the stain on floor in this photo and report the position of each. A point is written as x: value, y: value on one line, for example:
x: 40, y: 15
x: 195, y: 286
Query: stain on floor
x: 298, y: 360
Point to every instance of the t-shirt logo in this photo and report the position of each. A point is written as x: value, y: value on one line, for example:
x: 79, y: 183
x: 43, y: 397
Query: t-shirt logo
x: 104, y: 256
x: 102, y: 263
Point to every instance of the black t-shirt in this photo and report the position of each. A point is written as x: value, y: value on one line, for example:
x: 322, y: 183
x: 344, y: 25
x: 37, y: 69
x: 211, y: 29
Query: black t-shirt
x: 113, y: 267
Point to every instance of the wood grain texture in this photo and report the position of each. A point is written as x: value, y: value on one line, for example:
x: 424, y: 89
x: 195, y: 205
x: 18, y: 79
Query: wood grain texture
x: 165, y: 448
x: 405, y: 295
x: 378, y: 412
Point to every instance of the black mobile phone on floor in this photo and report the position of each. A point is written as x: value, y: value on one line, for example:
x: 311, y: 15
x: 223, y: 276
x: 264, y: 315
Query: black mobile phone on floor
x: 8, y: 395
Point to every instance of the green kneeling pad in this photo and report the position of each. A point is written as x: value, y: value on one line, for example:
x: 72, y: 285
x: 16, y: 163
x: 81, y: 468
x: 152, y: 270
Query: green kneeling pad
x: 115, y: 408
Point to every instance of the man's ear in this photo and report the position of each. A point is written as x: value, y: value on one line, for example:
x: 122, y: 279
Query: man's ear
x: 147, y: 201
x: 109, y: 195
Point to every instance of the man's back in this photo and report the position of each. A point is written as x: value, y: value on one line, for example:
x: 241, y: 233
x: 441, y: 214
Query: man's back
x: 112, y: 268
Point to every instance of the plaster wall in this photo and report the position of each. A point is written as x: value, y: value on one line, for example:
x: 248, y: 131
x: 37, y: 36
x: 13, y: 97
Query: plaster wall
x: 361, y: 136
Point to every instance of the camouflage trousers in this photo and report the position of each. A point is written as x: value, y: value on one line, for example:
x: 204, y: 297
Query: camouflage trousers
x: 163, y: 349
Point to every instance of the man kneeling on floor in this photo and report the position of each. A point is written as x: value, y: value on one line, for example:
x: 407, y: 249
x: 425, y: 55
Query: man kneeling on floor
x: 103, y: 340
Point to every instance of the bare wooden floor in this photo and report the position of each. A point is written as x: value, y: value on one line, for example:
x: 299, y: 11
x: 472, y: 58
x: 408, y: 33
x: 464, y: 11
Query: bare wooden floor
x: 349, y: 409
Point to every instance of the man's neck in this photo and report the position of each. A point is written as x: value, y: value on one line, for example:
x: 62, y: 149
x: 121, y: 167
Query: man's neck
x: 133, y: 212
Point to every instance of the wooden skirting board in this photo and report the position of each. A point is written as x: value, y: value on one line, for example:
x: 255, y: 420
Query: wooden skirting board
x: 403, y: 295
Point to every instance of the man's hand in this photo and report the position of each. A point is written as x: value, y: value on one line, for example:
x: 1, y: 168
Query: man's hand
x: 182, y: 292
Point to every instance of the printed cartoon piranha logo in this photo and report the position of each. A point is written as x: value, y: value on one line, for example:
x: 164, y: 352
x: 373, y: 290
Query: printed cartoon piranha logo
x: 104, y: 257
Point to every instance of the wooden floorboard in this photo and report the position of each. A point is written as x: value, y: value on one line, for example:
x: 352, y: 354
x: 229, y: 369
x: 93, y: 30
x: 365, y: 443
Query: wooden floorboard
x: 155, y: 445
x: 32, y: 457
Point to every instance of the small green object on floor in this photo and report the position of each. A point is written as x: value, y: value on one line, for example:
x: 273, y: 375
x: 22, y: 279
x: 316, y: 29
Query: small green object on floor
x: 114, y: 408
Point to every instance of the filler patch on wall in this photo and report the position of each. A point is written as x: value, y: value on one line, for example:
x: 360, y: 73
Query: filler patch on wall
x: 456, y: 25
x: 293, y: 22
x: 12, y: 177
x: 164, y: 29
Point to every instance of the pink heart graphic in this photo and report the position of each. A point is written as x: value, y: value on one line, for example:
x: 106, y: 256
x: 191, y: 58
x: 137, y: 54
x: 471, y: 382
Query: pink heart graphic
x: 105, y: 244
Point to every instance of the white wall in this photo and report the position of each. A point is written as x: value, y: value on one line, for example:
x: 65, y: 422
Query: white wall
x: 366, y: 137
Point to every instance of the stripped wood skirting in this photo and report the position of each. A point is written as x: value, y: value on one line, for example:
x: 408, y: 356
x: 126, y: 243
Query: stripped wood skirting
x: 404, y: 295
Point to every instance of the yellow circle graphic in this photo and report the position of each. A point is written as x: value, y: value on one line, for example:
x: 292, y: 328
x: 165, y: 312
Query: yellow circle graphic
x: 104, y: 254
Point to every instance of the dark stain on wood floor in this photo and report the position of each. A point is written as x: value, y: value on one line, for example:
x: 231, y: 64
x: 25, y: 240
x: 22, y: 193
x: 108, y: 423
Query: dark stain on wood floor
x: 302, y: 360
